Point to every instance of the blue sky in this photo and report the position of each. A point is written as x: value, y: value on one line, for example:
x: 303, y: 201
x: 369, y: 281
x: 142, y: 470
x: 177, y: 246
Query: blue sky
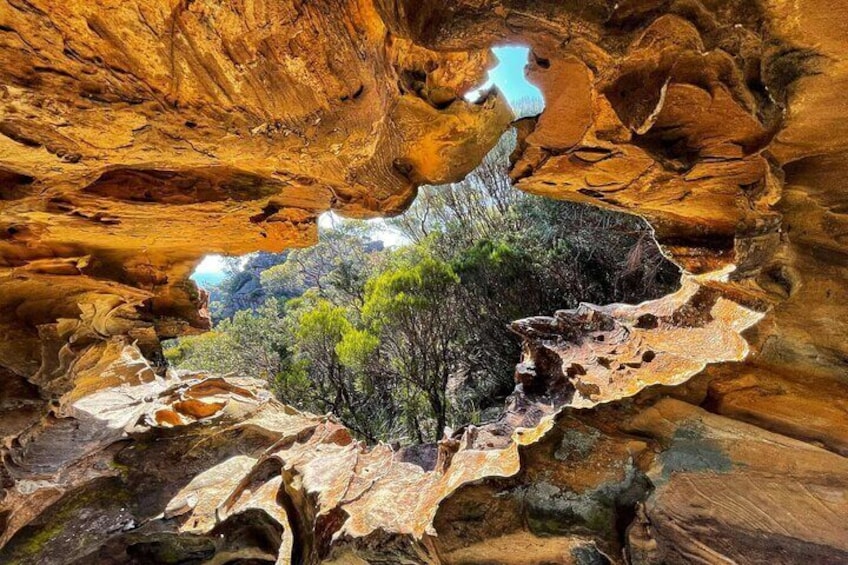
x: 508, y: 75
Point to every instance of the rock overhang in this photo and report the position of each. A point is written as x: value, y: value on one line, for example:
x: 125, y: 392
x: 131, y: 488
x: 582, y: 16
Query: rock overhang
x: 138, y: 136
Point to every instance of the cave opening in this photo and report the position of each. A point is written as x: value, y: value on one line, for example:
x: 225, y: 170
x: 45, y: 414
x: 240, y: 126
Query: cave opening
x: 153, y: 135
x: 509, y: 77
x: 405, y: 328
x: 465, y: 261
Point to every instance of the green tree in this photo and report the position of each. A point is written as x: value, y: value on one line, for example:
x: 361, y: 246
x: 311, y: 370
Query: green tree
x: 339, y: 361
x: 412, y: 308
x: 498, y: 285
x: 336, y: 267
x: 399, y: 343
x: 251, y: 343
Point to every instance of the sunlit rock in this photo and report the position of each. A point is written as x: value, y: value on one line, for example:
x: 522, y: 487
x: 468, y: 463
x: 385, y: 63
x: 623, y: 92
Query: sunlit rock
x: 138, y: 136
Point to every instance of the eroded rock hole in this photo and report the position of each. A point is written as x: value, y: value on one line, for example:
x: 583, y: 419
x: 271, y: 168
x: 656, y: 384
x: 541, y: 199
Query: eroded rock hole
x: 401, y: 327
x: 508, y: 76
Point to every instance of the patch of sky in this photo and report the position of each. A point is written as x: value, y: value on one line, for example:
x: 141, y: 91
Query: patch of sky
x: 211, y: 271
x: 508, y: 76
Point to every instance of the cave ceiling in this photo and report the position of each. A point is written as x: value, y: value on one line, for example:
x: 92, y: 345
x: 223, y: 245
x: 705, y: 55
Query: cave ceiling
x: 137, y: 136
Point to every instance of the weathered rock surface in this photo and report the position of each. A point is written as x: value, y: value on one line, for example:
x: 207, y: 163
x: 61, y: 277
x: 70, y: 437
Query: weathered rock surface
x: 137, y: 136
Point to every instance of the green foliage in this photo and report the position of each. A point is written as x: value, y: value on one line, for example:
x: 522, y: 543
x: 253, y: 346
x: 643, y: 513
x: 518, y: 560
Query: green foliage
x: 356, y: 348
x: 321, y: 322
x: 486, y: 257
x: 336, y: 267
x: 407, y: 289
x: 411, y: 306
x: 251, y: 343
x: 400, y: 343
x: 293, y: 383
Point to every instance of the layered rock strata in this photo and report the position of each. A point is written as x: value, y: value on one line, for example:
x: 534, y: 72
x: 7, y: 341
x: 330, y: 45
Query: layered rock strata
x: 707, y: 426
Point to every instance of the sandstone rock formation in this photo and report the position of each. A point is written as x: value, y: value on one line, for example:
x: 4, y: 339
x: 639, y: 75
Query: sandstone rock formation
x: 708, y: 426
